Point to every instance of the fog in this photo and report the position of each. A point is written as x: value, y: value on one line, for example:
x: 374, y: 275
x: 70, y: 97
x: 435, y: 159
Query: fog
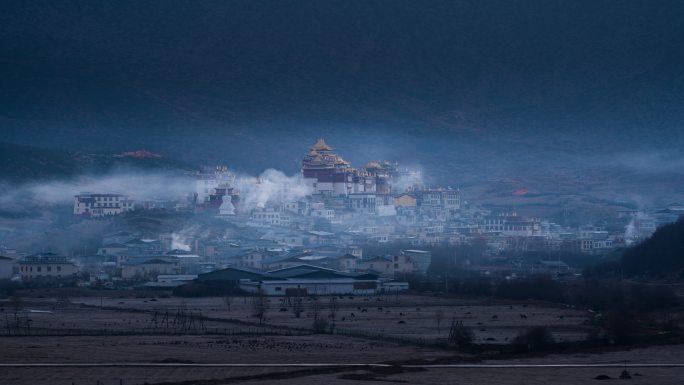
x: 139, y: 185
x: 270, y: 187
x: 30, y: 209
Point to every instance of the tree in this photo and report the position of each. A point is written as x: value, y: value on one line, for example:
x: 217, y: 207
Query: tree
x: 620, y: 325
x: 534, y: 339
x: 333, y: 312
x: 439, y: 316
x: 228, y: 301
x: 297, y: 306
x: 260, y: 306
x: 16, y: 303
x: 320, y: 325
x: 315, y: 307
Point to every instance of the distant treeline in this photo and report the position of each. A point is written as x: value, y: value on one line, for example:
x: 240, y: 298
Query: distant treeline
x: 454, y: 258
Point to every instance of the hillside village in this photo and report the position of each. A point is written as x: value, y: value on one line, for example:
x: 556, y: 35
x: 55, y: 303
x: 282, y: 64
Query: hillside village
x: 313, y: 228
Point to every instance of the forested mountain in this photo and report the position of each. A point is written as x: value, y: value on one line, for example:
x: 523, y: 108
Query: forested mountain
x: 661, y: 254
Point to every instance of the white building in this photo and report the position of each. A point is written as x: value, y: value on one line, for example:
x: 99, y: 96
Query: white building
x: 306, y: 280
x: 446, y: 198
x: 100, y: 205
x: 46, y: 266
x: 270, y: 217
x: 318, y: 210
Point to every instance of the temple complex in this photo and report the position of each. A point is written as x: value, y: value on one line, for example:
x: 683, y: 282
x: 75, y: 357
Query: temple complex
x: 327, y: 173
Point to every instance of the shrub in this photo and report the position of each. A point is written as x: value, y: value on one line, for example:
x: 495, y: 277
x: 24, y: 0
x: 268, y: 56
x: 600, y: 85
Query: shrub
x: 620, y: 325
x: 534, y: 339
x: 320, y: 325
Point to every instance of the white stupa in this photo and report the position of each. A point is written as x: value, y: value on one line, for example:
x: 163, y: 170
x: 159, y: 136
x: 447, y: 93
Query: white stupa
x: 226, y: 207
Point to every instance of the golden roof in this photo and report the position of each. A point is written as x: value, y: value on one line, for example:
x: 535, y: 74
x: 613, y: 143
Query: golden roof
x: 321, y: 146
x: 373, y: 164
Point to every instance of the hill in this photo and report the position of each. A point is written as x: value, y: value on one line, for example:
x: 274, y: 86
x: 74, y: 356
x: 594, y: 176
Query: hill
x: 28, y: 164
x: 660, y: 255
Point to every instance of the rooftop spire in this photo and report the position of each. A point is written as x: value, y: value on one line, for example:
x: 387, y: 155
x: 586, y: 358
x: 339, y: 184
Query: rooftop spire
x: 321, y: 146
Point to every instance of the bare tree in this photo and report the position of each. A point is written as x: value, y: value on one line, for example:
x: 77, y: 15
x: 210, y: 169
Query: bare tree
x: 228, y: 301
x: 297, y: 306
x: 315, y: 307
x: 333, y: 312
x: 16, y: 303
x: 439, y: 316
x: 320, y: 325
x: 260, y: 306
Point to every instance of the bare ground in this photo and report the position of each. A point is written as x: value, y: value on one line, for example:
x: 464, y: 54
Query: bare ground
x: 418, y: 314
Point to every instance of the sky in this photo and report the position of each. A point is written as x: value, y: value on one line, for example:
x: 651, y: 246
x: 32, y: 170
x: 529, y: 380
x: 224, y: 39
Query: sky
x: 211, y: 80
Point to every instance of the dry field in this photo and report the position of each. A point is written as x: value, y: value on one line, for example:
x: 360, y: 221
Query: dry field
x: 249, y: 344
x: 406, y: 316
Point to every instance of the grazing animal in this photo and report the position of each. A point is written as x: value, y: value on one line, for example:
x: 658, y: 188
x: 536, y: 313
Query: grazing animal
x: 364, y: 310
x: 495, y: 317
x: 523, y: 316
x: 401, y: 322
